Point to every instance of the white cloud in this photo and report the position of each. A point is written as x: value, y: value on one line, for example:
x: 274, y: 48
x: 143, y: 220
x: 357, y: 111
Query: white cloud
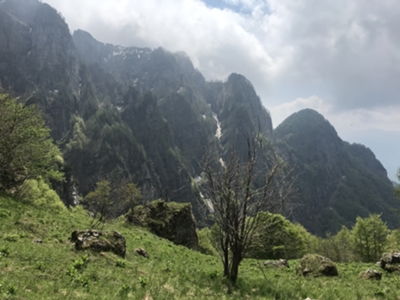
x: 281, y: 112
x: 385, y: 118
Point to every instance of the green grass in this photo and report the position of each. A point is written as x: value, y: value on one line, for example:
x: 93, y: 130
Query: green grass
x: 54, y: 270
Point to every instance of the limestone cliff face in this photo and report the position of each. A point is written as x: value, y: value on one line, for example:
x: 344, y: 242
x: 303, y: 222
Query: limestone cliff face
x: 337, y: 181
x: 239, y: 111
x: 38, y: 59
x: 38, y: 40
x: 367, y: 158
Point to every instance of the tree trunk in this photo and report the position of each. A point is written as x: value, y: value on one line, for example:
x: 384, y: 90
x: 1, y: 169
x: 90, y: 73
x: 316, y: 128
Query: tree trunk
x: 226, y: 263
x: 234, y: 271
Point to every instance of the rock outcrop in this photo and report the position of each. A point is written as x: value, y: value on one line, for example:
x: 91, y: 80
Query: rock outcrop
x: 172, y: 221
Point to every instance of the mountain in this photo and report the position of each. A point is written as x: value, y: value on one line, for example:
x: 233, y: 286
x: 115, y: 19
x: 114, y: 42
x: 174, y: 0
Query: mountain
x: 337, y: 181
x: 38, y: 59
x: 148, y: 116
x: 391, y: 140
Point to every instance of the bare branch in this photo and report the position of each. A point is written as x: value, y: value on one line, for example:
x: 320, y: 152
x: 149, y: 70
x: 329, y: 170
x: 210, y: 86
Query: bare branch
x: 238, y: 192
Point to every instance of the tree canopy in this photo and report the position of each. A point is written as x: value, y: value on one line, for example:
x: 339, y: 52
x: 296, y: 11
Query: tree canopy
x: 26, y: 148
x: 370, y: 237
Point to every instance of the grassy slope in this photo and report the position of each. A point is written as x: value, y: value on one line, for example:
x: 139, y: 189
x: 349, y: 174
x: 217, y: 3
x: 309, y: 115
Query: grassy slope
x: 54, y: 270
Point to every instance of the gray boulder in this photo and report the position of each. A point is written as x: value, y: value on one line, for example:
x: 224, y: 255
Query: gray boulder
x: 281, y: 263
x: 316, y: 265
x: 98, y: 241
x: 172, y: 221
x: 370, y: 274
x: 390, y: 262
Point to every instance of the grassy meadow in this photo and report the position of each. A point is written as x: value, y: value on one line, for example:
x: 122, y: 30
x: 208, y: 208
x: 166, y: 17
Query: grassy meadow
x: 52, y: 269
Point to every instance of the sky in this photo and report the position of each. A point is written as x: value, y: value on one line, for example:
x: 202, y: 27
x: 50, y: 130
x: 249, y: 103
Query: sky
x: 341, y: 58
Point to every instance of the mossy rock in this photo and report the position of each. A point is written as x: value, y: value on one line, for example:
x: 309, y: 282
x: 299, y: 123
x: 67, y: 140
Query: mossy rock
x: 98, y: 241
x: 281, y: 263
x: 390, y: 262
x: 316, y: 265
x: 172, y: 221
x: 370, y: 275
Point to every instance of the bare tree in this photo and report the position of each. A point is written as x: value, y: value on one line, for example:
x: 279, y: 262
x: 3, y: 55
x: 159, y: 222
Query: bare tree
x: 237, y: 192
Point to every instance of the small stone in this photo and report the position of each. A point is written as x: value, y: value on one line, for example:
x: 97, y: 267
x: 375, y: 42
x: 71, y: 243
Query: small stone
x: 281, y: 263
x: 142, y: 252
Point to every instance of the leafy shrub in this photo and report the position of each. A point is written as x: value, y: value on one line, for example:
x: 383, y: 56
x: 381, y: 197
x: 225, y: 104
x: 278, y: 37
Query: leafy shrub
x: 12, y: 290
x: 120, y: 263
x: 4, y: 251
x: 40, y: 194
x: 142, y: 281
x: 26, y: 148
x: 5, y: 214
x: 206, y: 242
x: 40, y: 266
x: 11, y: 237
x: 276, y: 237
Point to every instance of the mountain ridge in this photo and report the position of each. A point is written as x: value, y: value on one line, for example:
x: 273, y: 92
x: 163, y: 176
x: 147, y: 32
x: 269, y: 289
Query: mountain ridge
x: 149, y: 115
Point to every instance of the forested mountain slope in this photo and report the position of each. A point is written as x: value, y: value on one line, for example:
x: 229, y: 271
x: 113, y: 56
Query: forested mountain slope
x: 148, y: 115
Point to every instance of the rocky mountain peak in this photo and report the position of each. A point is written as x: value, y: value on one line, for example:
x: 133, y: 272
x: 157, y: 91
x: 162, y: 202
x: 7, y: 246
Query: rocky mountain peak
x: 332, y: 174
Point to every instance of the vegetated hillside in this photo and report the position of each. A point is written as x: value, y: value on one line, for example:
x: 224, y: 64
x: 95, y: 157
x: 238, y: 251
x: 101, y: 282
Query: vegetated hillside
x: 149, y: 115
x: 337, y: 181
x: 38, y: 261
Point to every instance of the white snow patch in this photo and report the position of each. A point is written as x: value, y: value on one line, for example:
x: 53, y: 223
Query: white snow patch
x: 207, y: 202
x: 221, y: 161
x: 209, y: 205
x: 218, y: 133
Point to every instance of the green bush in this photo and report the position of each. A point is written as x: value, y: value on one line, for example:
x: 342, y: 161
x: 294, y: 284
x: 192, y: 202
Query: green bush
x: 206, y: 242
x: 40, y: 194
x: 11, y: 237
x: 26, y: 147
x: 120, y: 264
x: 276, y: 237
